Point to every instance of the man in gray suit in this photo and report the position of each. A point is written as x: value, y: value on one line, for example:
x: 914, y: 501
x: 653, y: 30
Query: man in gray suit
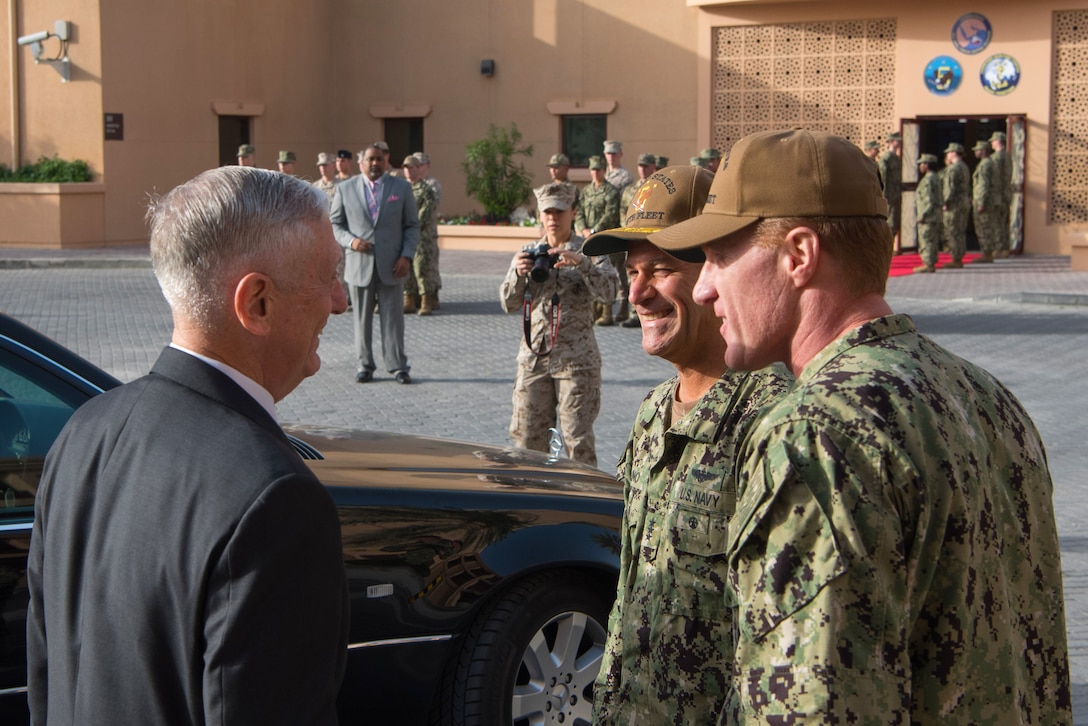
x: 375, y: 220
x: 185, y: 565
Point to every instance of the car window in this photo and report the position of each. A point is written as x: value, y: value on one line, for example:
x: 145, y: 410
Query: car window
x: 35, y: 403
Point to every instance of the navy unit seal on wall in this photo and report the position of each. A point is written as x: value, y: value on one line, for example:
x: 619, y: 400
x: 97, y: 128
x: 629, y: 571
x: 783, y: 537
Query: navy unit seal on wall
x: 971, y: 33
x: 1000, y: 74
x: 943, y: 75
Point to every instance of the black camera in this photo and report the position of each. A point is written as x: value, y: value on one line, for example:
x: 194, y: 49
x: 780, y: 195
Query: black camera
x: 542, y: 262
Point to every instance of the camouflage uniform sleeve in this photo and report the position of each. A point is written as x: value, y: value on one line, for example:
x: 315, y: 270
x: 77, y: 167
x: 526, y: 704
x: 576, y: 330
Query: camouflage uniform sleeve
x: 982, y: 189
x: 810, y: 541
x: 580, y: 214
x: 426, y: 205
x: 608, y: 678
x: 611, y: 218
x: 512, y: 289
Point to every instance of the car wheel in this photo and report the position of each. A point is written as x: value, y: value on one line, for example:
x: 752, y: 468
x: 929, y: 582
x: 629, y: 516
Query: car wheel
x: 532, y: 657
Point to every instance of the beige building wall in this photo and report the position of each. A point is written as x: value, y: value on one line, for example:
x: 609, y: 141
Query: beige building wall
x: 320, y: 76
x: 923, y: 31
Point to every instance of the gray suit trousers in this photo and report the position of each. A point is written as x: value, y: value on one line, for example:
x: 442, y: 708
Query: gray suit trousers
x: 390, y: 301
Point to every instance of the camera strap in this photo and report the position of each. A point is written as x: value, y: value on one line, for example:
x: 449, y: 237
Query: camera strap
x: 527, y: 323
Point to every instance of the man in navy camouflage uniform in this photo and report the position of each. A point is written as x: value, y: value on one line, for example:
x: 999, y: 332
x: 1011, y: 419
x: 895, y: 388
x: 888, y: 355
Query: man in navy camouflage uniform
x: 956, y: 204
x: 893, y: 554
x: 927, y: 212
x: 670, y: 633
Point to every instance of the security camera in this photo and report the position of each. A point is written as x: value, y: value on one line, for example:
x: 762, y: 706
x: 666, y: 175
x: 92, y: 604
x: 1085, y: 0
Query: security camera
x: 33, y: 38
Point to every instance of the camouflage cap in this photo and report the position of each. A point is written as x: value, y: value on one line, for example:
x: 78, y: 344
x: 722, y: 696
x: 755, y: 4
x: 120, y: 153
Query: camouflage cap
x: 246, y: 150
x: 894, y: 136
x: 648, y: 159
x: 981, y: 145
x: 596, y: 162
x: 558, y: 160
x: 410, y: 161
x: 998, y: 136
x: 927, y: 159
x: 286, y: 157
x: 667, y: 197
x: 661, y: 161
x: 324, y: 158
x: 872, y: 145
x: 796, y: 173
x: 710, y: 154
x: 343, y: 154
x: 556, y: 195
x: 613, y: 147
x: 958, y: 148
x: 698, y: 161
x: 423, y: 157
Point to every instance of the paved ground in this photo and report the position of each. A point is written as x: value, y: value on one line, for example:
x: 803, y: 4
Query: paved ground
x: 1024, y: 319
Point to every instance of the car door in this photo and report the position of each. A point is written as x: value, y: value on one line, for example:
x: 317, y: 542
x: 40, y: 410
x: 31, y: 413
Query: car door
x: 37, y: 397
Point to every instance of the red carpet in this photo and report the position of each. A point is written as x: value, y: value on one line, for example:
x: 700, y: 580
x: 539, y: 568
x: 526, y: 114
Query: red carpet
x: 905, y: 264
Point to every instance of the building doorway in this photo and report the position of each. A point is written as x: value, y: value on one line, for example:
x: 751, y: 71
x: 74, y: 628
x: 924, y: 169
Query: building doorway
x: 404, y: 136
x: 932, y: 135
x: 233, y: 132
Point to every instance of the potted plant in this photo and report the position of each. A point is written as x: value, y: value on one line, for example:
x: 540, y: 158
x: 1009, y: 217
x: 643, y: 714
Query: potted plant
x: 493, y: 175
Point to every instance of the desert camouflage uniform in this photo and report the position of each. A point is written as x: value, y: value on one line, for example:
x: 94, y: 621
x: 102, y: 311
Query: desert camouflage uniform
x: 891, y: 173
x: 956, y: 200
x: 927, y: 208
x: 670, y: 638
x: 894, y: 550
x: 326, y: 186
x: 619, y: 177
x: 566, y: 383
x: 1003, y: 182
x: 423, y: 276
x: 598, y: 208
x: 985, y: 194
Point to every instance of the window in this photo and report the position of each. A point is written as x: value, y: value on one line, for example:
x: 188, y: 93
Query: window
x: 583, y: 136
x: 34, y: 406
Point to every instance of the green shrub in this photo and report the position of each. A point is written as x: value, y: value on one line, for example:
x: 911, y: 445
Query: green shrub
x: 493, y: 177
x: 48, y: 171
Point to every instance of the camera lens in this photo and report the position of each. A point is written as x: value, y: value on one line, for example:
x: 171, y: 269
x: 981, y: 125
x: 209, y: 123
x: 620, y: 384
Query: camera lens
x: 542, y: 269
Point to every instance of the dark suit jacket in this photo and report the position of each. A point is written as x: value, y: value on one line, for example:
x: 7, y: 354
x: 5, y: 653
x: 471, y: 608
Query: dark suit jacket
x: 185, y: 565
x: 395, y: 235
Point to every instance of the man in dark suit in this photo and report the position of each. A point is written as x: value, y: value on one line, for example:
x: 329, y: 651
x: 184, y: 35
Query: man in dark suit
x: 375, y: 220
x: 185, y: 565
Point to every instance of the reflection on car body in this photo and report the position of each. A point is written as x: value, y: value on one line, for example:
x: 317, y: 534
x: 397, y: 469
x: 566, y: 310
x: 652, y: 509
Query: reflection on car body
x: 457, y: 556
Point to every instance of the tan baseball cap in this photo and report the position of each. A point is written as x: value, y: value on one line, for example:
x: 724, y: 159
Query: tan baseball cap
x: 324, y: 158
x: 667, y: 197
x: 795, y: 173
x: 554, y: 196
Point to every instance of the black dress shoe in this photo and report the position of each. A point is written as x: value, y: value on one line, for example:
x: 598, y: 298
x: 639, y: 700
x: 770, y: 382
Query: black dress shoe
x: 403, y: 378
x: 364, y: 376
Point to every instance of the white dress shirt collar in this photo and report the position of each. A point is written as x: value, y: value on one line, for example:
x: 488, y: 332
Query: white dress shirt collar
x: 250, y: 386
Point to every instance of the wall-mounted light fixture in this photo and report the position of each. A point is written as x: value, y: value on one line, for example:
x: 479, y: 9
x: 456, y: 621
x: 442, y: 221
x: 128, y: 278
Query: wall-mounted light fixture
x: 487, y: 68
x: 62, y: 31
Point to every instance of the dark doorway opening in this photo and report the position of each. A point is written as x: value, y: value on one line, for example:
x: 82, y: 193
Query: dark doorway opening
x: 404, y: 136
x: 233, y: 132
x: 936, y: 133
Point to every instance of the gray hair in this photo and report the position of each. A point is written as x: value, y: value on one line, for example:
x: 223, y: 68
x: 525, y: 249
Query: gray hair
x: 221, y: 224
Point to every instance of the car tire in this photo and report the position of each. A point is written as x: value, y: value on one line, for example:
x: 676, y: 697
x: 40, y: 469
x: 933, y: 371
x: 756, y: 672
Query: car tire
x: 532, y: 656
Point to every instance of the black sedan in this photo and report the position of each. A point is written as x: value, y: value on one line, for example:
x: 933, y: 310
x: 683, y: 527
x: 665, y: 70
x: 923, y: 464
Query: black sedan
x: 480, y: 577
